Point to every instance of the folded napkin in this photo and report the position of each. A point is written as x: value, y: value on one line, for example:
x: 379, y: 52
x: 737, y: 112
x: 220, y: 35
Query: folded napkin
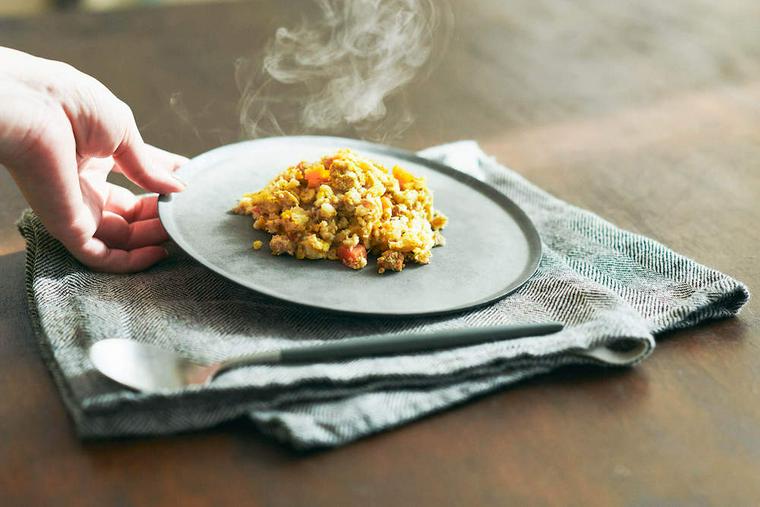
x: 613, y: 289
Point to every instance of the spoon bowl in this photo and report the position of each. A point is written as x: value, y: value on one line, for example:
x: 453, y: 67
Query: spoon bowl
x: 148, y: 367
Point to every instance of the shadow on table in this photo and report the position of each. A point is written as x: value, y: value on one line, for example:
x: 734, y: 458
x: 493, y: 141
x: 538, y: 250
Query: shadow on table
x: 12, y: 292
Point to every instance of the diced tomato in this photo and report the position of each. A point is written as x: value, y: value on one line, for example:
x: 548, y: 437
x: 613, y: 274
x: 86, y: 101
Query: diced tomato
x: 353, y: 257
x: 402, y: 176
x: 315, y: 176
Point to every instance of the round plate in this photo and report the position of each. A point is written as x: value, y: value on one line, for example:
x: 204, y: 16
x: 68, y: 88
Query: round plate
x: 491, y: 246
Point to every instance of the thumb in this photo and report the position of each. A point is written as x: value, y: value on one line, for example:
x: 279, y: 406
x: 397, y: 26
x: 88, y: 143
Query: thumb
x: 138, y: 162
x: 104, y: 126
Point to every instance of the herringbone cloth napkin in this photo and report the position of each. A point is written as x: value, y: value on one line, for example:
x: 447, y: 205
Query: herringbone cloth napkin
x: 613, y: 289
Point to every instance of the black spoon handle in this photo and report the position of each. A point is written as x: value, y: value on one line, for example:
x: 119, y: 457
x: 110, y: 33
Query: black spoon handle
x: 399, y: 344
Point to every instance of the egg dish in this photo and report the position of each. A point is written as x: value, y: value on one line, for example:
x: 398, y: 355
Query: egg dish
x: 345, y: 207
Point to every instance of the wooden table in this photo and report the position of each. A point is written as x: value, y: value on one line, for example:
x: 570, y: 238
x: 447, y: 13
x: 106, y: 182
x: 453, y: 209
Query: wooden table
x: 646, y: 113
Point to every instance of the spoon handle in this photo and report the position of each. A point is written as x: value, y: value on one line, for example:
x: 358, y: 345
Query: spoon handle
x: 398, y: 344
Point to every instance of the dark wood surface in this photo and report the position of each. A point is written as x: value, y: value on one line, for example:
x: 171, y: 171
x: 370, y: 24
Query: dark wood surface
x: 644, y: 112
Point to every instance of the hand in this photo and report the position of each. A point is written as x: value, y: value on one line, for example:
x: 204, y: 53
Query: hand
x: 61, y: 133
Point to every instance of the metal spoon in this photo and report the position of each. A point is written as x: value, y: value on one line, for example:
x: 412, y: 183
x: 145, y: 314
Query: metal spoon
x: 150, y: 368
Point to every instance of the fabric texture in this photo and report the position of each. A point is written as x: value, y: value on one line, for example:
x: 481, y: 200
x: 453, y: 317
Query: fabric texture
x: 612, y: 289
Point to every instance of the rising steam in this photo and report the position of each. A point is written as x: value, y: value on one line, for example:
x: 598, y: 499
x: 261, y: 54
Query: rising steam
x: 343, y: 69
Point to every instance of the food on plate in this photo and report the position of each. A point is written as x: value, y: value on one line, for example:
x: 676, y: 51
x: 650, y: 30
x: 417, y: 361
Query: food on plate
x: 346, y: 207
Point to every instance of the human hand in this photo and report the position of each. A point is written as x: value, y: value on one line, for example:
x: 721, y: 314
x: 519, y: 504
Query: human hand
x: 61, y: 133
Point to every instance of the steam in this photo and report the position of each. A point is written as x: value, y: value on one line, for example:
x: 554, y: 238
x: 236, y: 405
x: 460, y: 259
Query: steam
x: 343, y: 69
x: 177, y: 104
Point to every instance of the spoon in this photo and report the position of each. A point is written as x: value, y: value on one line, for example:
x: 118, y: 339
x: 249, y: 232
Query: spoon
x: 150, y: 368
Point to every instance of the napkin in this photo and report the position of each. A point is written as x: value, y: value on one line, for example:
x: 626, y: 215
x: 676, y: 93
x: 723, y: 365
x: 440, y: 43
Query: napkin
x: 614, y: 290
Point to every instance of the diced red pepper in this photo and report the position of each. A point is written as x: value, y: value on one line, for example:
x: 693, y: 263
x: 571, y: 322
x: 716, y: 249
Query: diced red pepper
x: 316, y: 176
x: 354, y: 257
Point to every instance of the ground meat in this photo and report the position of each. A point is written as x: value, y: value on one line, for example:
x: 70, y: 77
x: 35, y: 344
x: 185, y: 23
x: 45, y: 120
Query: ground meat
x: 390, y: 260
x: 280, y: 244
x: 344, y: 206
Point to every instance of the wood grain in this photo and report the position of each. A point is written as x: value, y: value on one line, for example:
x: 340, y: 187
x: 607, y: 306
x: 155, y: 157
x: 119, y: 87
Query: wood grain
x: 646, y: 113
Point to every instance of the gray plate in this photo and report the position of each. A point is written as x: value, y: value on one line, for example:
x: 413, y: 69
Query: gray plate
x: 491, y: 246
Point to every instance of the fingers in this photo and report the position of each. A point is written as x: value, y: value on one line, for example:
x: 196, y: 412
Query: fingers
x: 162, y: 158
x: 165, y: 158
x: 149, y: 167
x: 98, y: 256
x: 47, y: 175
x: 104, y: 126
x: 123, y: 202
x: 129, y: 221
x: 116, y: 232
x: 120, y: 246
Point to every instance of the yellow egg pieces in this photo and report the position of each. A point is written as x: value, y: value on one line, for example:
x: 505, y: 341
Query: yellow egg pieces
x: 345, y: 206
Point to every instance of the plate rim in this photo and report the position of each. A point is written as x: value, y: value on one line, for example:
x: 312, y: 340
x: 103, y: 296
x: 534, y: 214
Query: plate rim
x: 521, y: 218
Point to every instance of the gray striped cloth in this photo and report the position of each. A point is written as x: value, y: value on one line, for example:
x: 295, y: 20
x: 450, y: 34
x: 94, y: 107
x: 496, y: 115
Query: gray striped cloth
x: 613, y: 289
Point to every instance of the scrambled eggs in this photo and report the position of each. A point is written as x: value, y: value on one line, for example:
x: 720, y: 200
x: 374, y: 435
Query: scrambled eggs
x: 343, y: 207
